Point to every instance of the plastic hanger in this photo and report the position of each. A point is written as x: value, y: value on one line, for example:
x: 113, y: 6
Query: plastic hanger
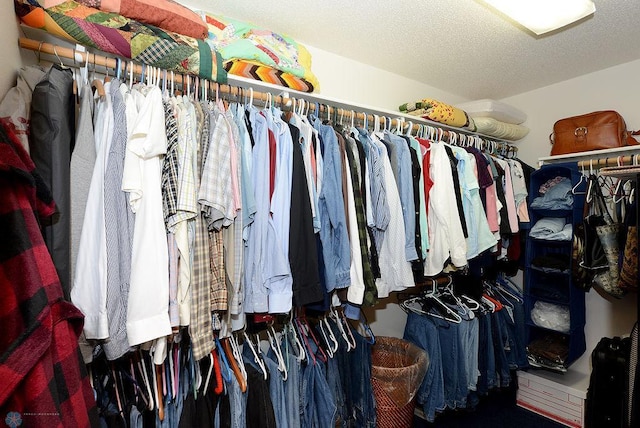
x: 308, y: 332
x: 145, y: 377
x: 583, y: 177
x: 258, y: 360
x: 335, y: 345
x: 209, y: 371
x: 275, y: 346
x: 417, y: 305
x: 236, y: 365
x: 368, y: 333
x: 225, y: 368
x: 291, y: 333
x: 218, y: 372
x: 329, y: 346
x: 409, y: 128
x: 345, y: 329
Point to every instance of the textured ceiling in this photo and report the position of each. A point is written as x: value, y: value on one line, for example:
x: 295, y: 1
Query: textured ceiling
x: 459, y: 46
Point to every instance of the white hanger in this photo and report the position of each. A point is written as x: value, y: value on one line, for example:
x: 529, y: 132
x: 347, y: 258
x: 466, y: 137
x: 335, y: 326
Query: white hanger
x: 331, y: 335
x: 208, y: 378
x: 290, y: 330
x: 235, y: 350
x: 376, y: 123
x: 275, y: 346
x: 258, y: 360
x: 409, y: 128
x: 399, y: 125
x: 143, y: 369
x: 353, y: 119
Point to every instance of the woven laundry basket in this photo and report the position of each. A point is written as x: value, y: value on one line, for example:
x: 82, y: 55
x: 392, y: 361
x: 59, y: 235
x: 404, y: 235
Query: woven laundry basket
x: 398, y: 368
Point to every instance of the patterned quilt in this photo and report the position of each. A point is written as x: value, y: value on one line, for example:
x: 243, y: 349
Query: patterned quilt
x: 111, y: 32
x: 260, y: 54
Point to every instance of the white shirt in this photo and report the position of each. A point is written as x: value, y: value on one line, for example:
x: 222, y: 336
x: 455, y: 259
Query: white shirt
x: 355, y: 293
x: 147, y: 312
x: 446, y: 237
x: 395, y: 270
x: 89, y: 291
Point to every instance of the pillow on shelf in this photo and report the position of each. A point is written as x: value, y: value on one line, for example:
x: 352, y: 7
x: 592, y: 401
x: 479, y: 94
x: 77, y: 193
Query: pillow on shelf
x: 438, y: 111
x: 165, y: 14
x: 260, y: 54
x: 501, y: 130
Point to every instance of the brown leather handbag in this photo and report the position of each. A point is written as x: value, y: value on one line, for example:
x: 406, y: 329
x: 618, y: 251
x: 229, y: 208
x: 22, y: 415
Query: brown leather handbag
x: 593, y: 131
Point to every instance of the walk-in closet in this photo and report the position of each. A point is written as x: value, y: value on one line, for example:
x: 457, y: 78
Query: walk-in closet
x: 336, y: 214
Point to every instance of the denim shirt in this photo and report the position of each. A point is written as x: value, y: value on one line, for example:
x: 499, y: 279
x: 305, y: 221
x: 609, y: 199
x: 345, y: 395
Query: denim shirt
x: 267, y: 271
x: 333, y: 230
x: 404, y: 180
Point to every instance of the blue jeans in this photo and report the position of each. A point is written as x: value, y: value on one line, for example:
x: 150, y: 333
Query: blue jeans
x: 422, y: 332
x: 342, y: 358
x: 317, y: 400
x: 453, y: 364
x: 501, y: 345
x: 469, y: 341
x: 276, y: 390
x: 335, y: 385
x: 237, y: 402
x: 486, y: 356
x: 364, y: 406
x: 292, y: 390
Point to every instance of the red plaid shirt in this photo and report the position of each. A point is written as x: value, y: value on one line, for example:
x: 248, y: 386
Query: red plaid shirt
x: 43, y: 381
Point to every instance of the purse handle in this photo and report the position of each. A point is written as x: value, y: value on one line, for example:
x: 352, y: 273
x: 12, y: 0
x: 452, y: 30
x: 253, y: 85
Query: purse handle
x: 594, y: 202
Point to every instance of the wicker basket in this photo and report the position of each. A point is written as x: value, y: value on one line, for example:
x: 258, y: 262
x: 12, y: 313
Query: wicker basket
x: 398, y: 368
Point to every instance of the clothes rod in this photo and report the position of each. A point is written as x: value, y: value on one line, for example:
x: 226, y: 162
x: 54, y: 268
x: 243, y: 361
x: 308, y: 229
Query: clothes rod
x: 326, y: 106
x: 612, y: 161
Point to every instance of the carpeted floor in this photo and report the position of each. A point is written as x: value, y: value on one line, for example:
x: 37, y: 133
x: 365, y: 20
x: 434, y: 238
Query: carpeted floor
x: 498, y: 410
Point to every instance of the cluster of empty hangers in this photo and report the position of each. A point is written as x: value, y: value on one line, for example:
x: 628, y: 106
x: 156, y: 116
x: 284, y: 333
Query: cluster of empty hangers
x: 439, y: 300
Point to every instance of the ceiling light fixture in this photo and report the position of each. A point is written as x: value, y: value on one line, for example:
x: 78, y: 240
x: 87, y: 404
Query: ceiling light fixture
x: 543, y: 16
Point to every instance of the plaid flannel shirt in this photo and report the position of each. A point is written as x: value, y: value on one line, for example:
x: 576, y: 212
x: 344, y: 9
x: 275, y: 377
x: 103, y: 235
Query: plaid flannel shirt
x: 44, y: 382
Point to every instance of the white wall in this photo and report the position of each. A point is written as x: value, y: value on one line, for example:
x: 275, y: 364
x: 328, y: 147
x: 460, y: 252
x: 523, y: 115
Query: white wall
x: 615, y: 88
x: 359, y: 83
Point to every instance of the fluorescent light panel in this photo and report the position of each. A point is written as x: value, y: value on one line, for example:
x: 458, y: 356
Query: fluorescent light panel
x: 542, y: 16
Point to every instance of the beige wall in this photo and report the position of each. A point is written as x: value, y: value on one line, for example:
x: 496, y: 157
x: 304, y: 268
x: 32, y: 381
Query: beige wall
x: 10, y: 60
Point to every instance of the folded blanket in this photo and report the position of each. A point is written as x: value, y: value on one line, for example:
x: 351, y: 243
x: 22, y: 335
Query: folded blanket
x: 439, y: 112
x: 124, y: 37
x: 495, y: 128
x: 165, y: 14
x: 260, y: 54
x: 552, y: 229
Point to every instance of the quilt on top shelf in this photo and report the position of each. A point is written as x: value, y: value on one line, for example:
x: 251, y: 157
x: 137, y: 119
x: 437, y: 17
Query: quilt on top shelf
x: 255, y: 53
x: 116, y: 34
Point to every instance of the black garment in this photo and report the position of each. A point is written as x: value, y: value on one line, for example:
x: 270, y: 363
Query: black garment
x: 416, y: 173
x: 303, y: 257
x: 371, y: 291
x: 373, y: 251
x: 485, y: 179
x: 417, y: 266
x: 505, y: 228
x: 260, y: 412
x: 51, y: 141
x: 456, y: 184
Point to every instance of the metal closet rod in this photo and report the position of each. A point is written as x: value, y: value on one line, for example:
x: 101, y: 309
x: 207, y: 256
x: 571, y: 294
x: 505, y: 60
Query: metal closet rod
x: 324, y: 104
